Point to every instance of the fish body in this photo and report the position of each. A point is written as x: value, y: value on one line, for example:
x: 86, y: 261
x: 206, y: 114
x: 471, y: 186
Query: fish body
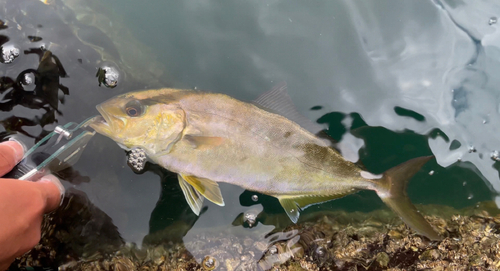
x: 209, y: 138
x: 255, y: 149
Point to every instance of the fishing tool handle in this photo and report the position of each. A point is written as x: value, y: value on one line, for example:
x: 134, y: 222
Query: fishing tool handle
x: 55, y: 152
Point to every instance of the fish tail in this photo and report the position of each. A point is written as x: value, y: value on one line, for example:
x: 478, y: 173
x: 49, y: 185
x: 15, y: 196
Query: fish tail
x: 391, y: 188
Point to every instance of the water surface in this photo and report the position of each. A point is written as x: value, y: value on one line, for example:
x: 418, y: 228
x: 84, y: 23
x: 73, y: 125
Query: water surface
x: 390, y: 80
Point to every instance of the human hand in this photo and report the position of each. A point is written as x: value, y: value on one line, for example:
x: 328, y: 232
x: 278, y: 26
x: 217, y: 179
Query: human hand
x: 22, y: 206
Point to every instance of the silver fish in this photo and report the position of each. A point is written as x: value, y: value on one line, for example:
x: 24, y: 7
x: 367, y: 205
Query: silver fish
x: 209, y: 138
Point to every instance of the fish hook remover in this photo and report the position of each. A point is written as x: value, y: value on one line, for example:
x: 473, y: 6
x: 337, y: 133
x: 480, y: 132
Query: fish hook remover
x: 55, y: 152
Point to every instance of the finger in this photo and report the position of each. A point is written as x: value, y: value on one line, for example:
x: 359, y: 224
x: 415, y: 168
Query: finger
x: 53, y: 191
x: 11, y: 152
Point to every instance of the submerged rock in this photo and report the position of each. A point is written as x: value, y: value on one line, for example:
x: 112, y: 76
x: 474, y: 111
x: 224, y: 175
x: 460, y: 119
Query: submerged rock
x: 327, y: 241
x: 77, y: 230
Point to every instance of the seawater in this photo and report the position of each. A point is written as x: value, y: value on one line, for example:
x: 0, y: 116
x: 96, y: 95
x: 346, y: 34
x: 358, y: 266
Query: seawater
x: 392, y: 80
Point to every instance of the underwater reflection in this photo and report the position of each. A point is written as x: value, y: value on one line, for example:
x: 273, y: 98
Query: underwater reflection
x: 34, y: 89
x: 172, y: 217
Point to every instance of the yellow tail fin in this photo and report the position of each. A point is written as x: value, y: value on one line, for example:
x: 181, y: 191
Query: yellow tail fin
x: 391, y: 188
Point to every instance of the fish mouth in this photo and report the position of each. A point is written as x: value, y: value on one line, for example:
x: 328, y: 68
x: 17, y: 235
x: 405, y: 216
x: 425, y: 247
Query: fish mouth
x: 101, y: 124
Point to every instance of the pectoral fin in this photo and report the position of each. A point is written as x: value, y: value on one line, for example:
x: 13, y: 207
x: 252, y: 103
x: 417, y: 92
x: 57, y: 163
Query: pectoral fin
x: 204, y: 142
x: 193, y: 197
x: 294, y: 204
x: 208, y: 188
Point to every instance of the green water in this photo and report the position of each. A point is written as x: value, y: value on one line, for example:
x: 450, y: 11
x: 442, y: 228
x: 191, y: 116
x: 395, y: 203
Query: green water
x: 406, y: 78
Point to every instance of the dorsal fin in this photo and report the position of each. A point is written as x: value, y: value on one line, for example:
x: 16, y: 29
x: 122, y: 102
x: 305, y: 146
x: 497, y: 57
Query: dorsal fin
x: 278, y: 101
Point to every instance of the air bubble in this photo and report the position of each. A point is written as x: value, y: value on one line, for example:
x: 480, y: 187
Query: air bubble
x: 108, y: 76
x: 208, y: 263
x: 431, y: 172
x: 470, y: 196
x: 255, y: 198
x: 493, y: 20
x: 27, y: 80
x: 250, y: 217
x: 495, y: 156
x: 273, y: 250
x: 472, y: 149
x: 9, y: 53
x: 320, y: 252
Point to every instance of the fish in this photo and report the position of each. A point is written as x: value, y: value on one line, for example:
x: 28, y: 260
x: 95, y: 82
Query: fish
x: 264, y: 146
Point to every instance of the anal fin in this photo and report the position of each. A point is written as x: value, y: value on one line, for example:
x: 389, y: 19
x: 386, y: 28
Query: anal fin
x: 208, y: 188
x: 293, y: 204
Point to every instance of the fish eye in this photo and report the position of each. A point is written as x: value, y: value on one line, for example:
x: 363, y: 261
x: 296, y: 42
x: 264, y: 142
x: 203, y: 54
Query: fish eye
x: 134, y: 108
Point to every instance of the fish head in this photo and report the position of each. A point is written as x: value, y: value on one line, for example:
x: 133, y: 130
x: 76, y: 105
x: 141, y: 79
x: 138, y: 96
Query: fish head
x: 139, y: 120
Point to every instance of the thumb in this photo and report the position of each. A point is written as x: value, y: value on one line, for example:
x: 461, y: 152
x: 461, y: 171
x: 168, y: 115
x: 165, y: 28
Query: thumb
x: 11, y: 152
x: 53, y: 191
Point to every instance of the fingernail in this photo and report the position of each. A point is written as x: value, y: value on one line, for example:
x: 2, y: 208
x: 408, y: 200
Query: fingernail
x: 18, y: 148
x: 53, y: 179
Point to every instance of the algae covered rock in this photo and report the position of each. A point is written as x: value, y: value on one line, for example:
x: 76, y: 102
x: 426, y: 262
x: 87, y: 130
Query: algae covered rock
x: 327, y: 241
